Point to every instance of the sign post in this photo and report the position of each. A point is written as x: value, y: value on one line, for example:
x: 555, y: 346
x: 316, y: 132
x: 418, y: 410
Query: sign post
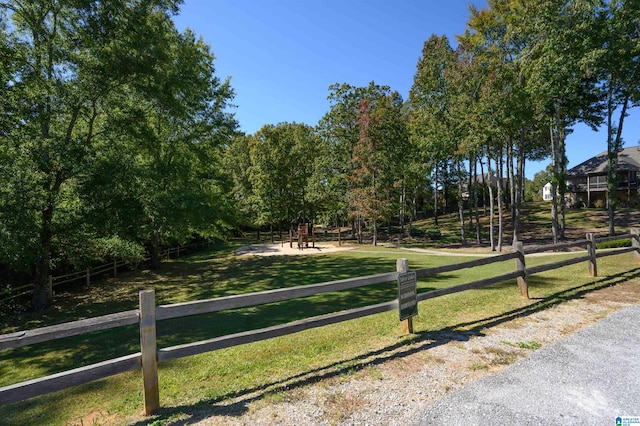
x: 407, y: 295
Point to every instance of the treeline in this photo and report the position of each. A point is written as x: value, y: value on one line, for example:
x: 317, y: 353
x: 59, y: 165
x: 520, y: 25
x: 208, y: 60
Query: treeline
x: 117, y: 137
x: 522, y: 74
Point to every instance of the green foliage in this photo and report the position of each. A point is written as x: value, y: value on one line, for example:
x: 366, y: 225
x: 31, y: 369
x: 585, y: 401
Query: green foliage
x: 111, y: 120
x: 340, y: 132
x: 434, y: 234
x: 416, y: 232
x: 614, y: 244
x: 272, y: 172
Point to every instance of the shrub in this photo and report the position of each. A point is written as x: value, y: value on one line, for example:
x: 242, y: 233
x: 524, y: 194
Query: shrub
x: 598, y: 204
x: 614, y: 244
x: 434, y: 234
x: 416, y: 232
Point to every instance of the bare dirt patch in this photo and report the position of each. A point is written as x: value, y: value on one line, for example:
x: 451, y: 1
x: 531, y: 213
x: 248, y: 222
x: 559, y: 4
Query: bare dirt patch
x: 283, y: 249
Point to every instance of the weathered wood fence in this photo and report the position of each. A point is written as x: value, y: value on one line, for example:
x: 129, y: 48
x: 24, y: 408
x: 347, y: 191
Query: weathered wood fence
x: 87, y: 274
x: 148, y: 314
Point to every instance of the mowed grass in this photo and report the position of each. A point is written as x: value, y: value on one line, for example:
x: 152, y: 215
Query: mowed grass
x: 262, y: 370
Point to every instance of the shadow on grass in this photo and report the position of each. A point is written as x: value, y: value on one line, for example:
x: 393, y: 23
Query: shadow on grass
x: 196, y: 281
x: 407, y: 346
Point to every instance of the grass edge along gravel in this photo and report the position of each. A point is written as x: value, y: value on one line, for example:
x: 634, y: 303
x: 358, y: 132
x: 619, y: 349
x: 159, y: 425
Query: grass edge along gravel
x: 261, y: 370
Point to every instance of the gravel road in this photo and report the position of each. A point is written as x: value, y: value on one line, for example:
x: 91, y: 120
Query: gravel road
x: 590, y: 378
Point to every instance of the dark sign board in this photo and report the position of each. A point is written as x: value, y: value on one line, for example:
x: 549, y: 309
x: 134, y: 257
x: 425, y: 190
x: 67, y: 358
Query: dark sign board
x: 407, y: 295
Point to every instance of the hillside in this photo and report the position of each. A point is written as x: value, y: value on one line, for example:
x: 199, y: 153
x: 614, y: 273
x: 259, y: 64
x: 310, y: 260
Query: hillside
x: 536, y: 226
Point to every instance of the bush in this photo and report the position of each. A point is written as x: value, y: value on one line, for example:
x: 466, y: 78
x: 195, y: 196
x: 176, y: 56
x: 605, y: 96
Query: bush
x: 614, y: 244
x: 434, y: 234
x: 416, y: 232
x: 598, y: 204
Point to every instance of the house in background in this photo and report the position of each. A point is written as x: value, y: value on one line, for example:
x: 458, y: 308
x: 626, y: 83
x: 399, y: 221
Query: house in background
x: 546, y: 192
x: 483, y: 180
x: 587, y: 182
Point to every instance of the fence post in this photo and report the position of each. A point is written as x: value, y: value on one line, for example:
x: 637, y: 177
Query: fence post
x: 635, y: 243
x: 406, y: 326
x: 148, y: 350
x: 50, y: 286
x: 521, y: 267
x: 591, y: 250
x: 115, y: 268
x: 88, y: 277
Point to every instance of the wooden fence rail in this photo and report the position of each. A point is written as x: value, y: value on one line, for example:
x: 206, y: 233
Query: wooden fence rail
x: 87, y: 274
x: 148, y: 314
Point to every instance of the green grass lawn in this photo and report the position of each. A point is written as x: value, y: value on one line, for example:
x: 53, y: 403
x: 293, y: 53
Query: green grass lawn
x: 264, y: 368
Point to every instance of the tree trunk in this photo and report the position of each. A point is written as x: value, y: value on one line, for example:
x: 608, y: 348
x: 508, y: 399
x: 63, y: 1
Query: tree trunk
x: 562, y: 184
x: 155, y: 251
x: 413, y: 210
x: 435, y: 196
x: 484, y: 186
x: 470, y: 191
x: 491, y: 206
x: 499, y: 168
x: 510, y: 176
x: 519, y: 179
x: 403, y: 197
x: 554, y: 185
x: 41, y: 297
x: 463, y: 240
x: 375, y: 232
x: 613, y: 145
x: 475, y: 204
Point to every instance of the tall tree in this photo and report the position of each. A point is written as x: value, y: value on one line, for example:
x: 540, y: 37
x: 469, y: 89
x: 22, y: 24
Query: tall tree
x: 173, y: 133
x: 557, y: 61
x: 429, y: 116
x: 80, y: 75
x: 378, y: 160
x: 339, y: 133
x: 282, y: 158
x: 619, y: 68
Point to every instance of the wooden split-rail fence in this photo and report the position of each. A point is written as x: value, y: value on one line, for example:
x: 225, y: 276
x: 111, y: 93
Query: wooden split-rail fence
x: 148, y: 314
x: 87, y: 274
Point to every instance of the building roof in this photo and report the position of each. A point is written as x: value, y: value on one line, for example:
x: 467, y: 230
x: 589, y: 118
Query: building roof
x: 628, y: 159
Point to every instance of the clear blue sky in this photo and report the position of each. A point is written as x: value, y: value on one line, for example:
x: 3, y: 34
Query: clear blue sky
x: 282, y: 55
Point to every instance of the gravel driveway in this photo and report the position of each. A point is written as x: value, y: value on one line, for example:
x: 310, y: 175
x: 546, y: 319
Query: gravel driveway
x: 590, y: 378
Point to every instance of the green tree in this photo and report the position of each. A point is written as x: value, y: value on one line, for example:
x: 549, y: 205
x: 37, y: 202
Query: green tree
x: 79, y: 77
x: 379, y: 160
x: 559, y: 41
x: 172, y: 136
x: 429, y: 116
x: 282, y: 158
x: 620, y: 75
x: 237, y: 163
x: 339, y: 132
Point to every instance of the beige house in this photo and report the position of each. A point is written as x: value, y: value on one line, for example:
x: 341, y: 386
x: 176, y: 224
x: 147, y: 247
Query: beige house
x: 587, y: 182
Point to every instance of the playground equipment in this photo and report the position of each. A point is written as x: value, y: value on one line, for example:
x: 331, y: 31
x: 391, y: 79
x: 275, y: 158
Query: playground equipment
x: 301, y: 228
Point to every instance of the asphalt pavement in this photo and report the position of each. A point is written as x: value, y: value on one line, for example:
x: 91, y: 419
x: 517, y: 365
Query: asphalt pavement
x: 590, y: 378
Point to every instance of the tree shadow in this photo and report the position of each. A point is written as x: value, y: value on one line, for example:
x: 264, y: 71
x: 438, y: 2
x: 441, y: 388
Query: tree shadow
x: 238, y: 401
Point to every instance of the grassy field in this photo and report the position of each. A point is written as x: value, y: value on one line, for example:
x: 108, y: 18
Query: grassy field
x: 263, y: 369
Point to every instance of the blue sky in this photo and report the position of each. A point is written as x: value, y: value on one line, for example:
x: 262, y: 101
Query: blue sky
x: 282, y: 55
